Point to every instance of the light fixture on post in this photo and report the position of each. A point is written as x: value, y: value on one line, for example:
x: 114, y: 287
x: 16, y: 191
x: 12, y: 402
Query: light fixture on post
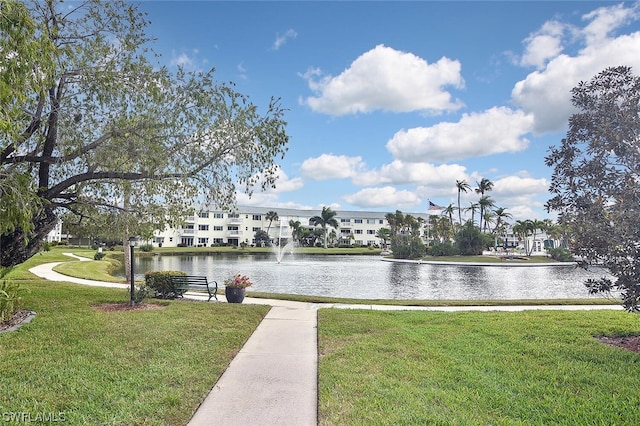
x: 132, y: 244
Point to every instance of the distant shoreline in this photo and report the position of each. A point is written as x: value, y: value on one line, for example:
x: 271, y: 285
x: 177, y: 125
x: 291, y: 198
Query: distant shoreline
x: 507, y: 263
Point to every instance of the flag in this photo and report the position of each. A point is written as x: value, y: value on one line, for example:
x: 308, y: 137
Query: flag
x: 434, y: 206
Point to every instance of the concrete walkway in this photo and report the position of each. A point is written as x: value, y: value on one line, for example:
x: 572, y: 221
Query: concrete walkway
x: 274, y: 378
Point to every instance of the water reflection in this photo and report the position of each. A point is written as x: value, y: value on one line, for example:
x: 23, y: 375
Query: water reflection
x: 368, y: 277
x: 404, y: 280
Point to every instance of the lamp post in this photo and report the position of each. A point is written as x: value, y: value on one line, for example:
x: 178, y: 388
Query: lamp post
x: 132, y: 243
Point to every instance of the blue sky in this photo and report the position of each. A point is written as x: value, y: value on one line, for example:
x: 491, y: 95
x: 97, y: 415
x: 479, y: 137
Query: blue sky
x: 389, y: 103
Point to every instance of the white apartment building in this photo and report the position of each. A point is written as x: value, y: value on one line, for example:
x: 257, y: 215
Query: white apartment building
x: 216, y: 227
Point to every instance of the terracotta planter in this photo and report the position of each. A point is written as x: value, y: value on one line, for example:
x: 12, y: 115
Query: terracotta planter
x: 234, y: 295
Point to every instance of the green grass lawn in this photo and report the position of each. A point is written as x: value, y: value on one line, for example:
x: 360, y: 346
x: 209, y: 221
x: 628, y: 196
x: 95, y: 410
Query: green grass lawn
x: 150, y: 367
x: 154, y: 367
x: 533, y: 367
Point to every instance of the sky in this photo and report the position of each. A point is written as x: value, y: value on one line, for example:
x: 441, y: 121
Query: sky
x: 390, y: 103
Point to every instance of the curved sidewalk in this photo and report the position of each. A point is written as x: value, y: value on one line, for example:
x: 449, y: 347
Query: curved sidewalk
x: 273, y: 380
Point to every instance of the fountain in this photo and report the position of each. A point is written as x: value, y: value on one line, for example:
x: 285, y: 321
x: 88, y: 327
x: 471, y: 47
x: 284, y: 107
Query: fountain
x: 280, y: 250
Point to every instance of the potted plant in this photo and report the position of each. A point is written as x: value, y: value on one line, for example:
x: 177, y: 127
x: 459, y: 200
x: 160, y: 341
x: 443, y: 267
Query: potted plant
x: 235, y: 288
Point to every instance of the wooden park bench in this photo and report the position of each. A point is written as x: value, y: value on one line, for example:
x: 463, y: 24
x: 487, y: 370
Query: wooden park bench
x: 183, y: 283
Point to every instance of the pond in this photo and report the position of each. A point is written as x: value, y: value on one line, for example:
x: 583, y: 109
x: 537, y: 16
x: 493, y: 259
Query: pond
x: 368, y: 277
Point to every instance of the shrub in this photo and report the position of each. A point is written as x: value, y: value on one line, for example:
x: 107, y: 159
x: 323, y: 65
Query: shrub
x: 470, y: 240
x: 10, y: 299
x: 560, y: 254
x: 146, y: 248
x: 407, y: 247
x: 98, y: 256
x: 442, y: 249
x: 141, y: 293
x: 160, y: 283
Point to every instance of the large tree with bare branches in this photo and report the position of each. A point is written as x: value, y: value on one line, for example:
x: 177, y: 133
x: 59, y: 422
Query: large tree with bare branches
x: 93, y: 122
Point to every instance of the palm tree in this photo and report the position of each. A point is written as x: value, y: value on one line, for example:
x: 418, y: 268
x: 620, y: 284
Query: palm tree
x: 489, y: 217
x: 327, y: 217
x: 523, y: 228
x: 449, y: 212
x: 473, y: 208
x: 384, y: 234
x: 501, y: 216
x: 443, y: 230
x: 485, y: 203
x: 484, y: 185
x: 295, y: 226
x: 462, y: 186
x: 271, y: 216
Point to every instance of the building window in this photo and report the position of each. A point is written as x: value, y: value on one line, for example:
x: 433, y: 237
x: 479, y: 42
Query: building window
x: 257, y: 217
x: 256, y: 228
x: 203, y: 241
x: 218, y: 215
x: 357, y: 220
x: 203, y: 215
x: 371, y: 231
x: 189, y: 226
x: 381, y: 222
x: 218, y: 241
x: 203, y: 227
x: 358, y: 231
x: 218, y: 228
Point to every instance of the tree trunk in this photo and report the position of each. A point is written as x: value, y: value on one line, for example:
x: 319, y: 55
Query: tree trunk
x: 18, y: 246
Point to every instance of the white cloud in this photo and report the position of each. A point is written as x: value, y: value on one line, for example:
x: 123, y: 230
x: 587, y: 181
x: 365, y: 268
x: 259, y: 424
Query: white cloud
x: 605, y: 20
x: 189, y: 60
x: 269, y: 196
x: 329, y: 166
x: 283, y: 183
x: 546, y: 93
x: 386, y: 79
x: 519, y: 189
x: 543, y: 45
x: 525, y: 212
x: 382, y: 197
x: 522, y: 196
x: 494, y: 131
x: 256, y: 199
x: 182, y: 59
x: 282, y: 39
x: 398, y: 173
